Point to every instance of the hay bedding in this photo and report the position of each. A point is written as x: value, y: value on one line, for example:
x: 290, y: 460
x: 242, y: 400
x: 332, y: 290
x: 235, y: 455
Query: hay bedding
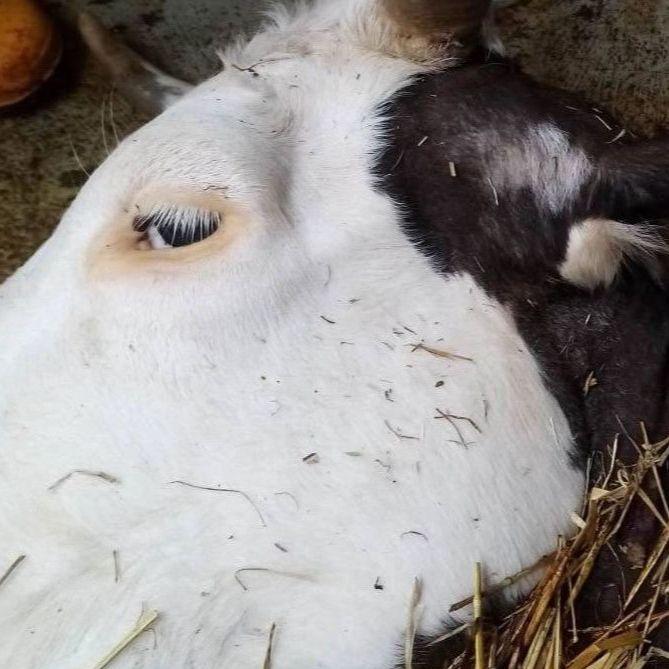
x: 557, y: 626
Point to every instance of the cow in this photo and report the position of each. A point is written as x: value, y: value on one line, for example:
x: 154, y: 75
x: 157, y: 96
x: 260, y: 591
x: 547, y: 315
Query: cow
x: 342, y: 321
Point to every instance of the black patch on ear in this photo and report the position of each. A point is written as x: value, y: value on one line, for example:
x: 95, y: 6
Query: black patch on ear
x: 444, y: 132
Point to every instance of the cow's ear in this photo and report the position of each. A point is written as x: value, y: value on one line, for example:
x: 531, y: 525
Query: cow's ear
x: 145, y: 86
x: 437, y: 20
x: 598, y: 247
x: 632, y: 181
x: 624, y: 216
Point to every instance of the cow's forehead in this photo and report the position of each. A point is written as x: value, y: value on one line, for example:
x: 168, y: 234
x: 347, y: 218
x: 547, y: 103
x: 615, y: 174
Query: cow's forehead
x: 244, y: 127
x: 197, y: 138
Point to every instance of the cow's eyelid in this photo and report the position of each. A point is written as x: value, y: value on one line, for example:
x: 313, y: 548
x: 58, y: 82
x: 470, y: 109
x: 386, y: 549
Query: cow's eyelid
x: 176, y: 225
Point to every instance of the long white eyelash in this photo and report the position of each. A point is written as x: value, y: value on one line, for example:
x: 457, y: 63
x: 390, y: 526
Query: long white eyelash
x: 155, y: 240
x: 193, y: 223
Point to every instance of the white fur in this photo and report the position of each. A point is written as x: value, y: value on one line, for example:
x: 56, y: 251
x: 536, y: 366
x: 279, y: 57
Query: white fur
x: 597, y: 248
x: 542, y: 160
x: 226, y: 373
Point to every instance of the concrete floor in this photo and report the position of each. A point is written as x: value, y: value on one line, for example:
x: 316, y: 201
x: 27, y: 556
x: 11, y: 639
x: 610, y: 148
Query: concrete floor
x: 616, y: 52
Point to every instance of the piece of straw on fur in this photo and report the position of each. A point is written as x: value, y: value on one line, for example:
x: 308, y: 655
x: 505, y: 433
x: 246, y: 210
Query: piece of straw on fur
x: 440, y: 353
x: 412, y: 623
x: 109, y: 478
x: 479, y: 648
x: 145, y: 621
x: 267, y: 664
x: 10, y: 570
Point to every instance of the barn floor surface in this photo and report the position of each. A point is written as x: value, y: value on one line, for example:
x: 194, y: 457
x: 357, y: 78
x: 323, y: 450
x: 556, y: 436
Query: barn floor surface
x: 614, y: 51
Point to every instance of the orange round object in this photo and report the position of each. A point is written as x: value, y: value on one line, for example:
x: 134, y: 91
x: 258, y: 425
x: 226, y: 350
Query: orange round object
x: 30, y: 49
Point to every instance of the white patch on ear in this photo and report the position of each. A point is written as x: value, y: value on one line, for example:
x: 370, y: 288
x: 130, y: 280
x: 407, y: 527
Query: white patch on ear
x: 597, y: 247
x: 542, y: 159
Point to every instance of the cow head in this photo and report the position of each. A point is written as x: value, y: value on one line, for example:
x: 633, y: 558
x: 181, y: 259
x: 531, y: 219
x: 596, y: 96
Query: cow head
x: 238, y: 388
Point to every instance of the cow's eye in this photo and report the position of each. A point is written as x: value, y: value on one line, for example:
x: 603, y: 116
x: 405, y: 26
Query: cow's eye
x: 173, y: 226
